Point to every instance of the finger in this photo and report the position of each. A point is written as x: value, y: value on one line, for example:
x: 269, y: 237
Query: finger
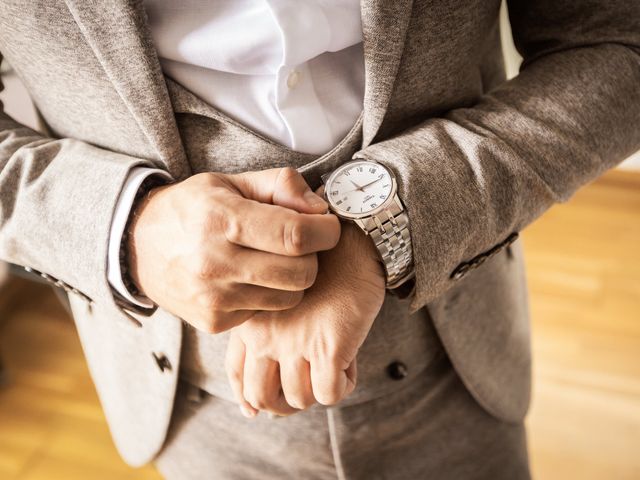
x: 253, y: 297
x: 280, y: 186
x: 330, y: 382
x: 262, y: 385
x: 234, y: 366
x: 276, y: 229
x: 295, y: 377
x: 211, y: 319
x: 274, y: 271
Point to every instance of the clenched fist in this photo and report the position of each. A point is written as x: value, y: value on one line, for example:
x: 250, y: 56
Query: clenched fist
x: 283, y: 362
x: 216, y: 248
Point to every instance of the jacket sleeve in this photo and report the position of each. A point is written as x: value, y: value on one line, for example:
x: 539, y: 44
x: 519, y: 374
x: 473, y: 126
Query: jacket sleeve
x: 475, y: 177
x: 57, y: 198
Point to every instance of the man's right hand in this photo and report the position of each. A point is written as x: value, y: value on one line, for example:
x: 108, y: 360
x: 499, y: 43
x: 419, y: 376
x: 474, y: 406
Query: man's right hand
x: 214, y: 249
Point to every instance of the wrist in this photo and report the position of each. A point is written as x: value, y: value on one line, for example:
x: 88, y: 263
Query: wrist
x: 360, y: 242
x: 134, y: 233
x: 363, y: 257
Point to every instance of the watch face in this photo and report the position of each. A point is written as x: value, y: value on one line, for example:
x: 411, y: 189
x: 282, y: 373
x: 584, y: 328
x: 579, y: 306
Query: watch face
x: 358, y: 188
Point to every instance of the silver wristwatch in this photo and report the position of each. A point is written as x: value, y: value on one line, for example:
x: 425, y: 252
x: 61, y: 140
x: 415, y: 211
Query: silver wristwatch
x: 366, y: 193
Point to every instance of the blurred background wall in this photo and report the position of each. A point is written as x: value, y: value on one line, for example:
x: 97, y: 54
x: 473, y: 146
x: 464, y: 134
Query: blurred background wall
x: 512, y: 63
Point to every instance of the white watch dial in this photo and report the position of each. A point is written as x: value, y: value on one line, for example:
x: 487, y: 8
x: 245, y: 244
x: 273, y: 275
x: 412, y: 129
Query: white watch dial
x: 359, y: 187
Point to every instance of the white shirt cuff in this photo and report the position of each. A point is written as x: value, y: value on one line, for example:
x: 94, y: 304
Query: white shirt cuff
x: 118, y: 224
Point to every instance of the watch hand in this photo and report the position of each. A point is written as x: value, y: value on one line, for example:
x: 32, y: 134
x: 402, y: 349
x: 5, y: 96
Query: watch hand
x: 361, y: 188
x: 370, y: 183
x: 358, y: 187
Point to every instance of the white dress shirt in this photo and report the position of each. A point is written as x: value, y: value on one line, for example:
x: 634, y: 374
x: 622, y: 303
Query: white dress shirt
x: 291, y: 70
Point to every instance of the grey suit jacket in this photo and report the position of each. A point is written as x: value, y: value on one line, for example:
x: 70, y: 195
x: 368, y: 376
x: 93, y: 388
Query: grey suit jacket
x: 477, y: 158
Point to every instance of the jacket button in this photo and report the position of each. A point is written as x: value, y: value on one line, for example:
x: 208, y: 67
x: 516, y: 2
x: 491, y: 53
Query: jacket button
x: 162, y: 361
x: 397, y: 370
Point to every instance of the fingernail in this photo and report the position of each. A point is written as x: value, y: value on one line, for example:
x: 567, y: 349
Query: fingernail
x: 314, y: 200
x: 246, y: 412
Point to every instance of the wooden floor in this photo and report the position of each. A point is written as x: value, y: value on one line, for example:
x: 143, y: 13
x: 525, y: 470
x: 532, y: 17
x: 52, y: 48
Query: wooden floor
x: 584, y: 269
x: 583, y: 260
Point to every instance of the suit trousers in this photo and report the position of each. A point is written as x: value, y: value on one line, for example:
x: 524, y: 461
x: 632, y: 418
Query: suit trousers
x: 428, y: 428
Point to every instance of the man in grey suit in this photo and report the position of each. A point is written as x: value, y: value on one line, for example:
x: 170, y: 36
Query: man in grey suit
x: 403, y: 357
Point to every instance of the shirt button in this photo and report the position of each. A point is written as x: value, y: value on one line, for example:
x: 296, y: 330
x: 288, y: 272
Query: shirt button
x: 397, y: 370
x: 293, y: 79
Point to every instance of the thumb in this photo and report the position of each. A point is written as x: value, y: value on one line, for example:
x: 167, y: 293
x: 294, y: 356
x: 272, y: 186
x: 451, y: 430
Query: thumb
x: 285, y: 187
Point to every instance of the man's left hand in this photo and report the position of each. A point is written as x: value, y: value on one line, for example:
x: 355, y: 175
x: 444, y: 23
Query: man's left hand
x: 283, y: 362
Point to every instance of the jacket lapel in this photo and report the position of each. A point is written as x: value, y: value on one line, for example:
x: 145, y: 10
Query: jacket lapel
x: 118, y: 33
x: 384, y: 29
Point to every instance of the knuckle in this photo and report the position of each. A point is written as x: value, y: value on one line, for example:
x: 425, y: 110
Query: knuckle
x: 309, y: 271
x: 295, y: 236
x: 288, y: 176
x: 232, y: 229
x: 259, y: 340
x: 213, y: 220
x: 205, y: 179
